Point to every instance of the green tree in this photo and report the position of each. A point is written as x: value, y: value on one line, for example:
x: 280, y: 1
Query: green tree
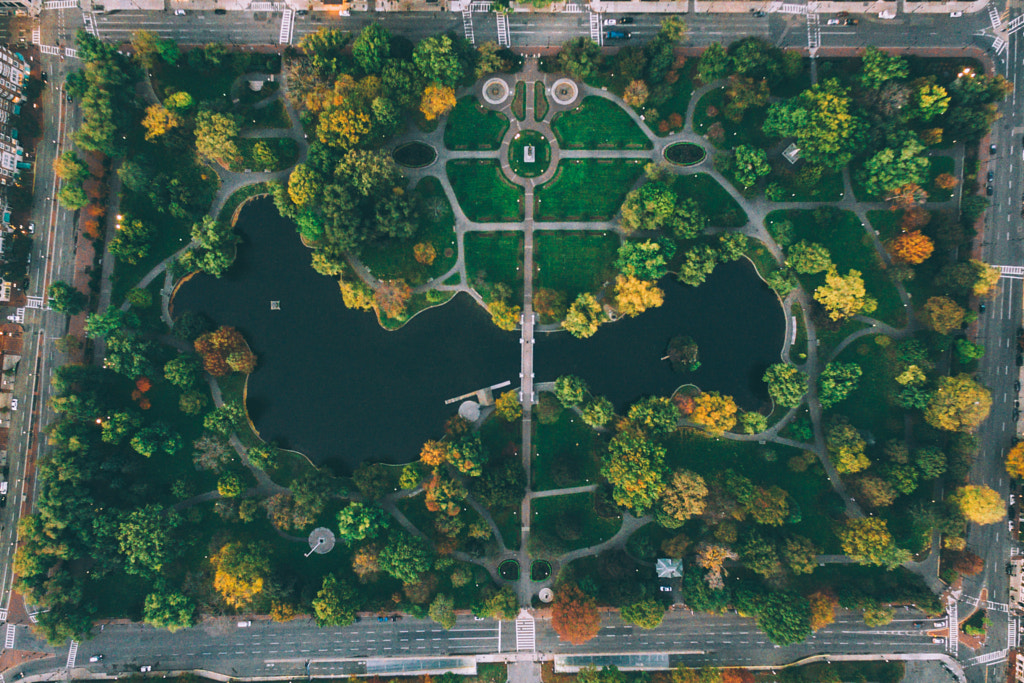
x: 168, y: 609
x: 66, y: 299
x: 836, y: 382
x: 230, y: 485
x: 372, y: 48
x: 147, y: 540
x: 362, y: 521
x: 222, y: 420
x: 647, y: 260
x: 891, y: 168
x: 821, y: 119
x: 148, y: 441
x: 132, y: 241
x: 968, y: 352
x: 405, y: 557
x: 808, y: 257
x: 579, y: 58
x: 72, y: 196
x: 439, y: 60
x: 185, y: 371
x: 442, y: 611
x: 786, y: 384
x: 748, y: 164
x: 654, y: 415
x: 570, y: 390
x: 118, y: 425
x: 651, y: 206
x: 598, y: 412
x: 880, y: 66
x: 714, y: 63
x: 942, y: 314
x: 699, y: 261
x: 336, y: 603
x: 646, y: 613
x: 502, y: 605
x: 785, y: 618
x: 800, y: 555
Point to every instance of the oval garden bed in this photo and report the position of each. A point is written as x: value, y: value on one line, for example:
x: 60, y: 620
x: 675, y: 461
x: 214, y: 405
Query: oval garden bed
x: 685, y: 153
x: 509, y: 570
x: 540, y: 570
x: 414, y: 155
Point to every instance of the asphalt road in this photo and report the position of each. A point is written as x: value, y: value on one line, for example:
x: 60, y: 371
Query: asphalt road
x: 284, y: 649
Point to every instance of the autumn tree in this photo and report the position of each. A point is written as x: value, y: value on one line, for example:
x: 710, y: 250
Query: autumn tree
x: 911, y: 247
x: 970, y: 277
x: 979, y: 504
x: 684, y: 495
x: 241, y: 571
x: 584, y: 316
x: 574, y: 615
x: 844, y: 296
x: 70, y: 167
x: 508, y: 407
x: 1015, y: 461
x: 822, y: 120
x: 846, y: 447
x: 434, y: 453
x: 636, y: 94
x: 942, y: 314
x: 224, y: 351
x: 424, y: 253
x: 159, y: 120
x: 598, y: 412
x: 800, y: 554
x: 442, y: 611
x: 712, y: 558
x: 867, y: 541
x: 437, y: 101
x: 216, y: 136
x: 714, y: 412
x: 965, y: 562
x: 550, y: 304
x: 946, y: 181
x: 633, y: 296
x: 646, y: 613
x: 505, y: 316
x: 906, y: 196
x: 958, y: 404
x: 391, y: 297
x: 823, y: 609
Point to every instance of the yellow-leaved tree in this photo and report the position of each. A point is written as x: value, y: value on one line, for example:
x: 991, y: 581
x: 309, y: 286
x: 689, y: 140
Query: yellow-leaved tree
x: 715, y: 412
x: 958, y: 404
x: 633, y: 296
x: 844, y: 296
x: 159, y: 120
x: 979, y: 504
x: 241, y: 569
x: 912, y: 247
x: 1015, y: 461
x: 437, y: 101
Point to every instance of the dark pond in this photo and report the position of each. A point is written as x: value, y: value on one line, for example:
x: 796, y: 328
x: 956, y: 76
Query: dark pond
x: 734, y: 317
x: 332, y: 384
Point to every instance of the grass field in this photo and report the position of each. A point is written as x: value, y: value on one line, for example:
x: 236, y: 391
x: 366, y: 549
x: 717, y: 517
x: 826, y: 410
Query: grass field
x: 678, y: 101
x: 939, y: 166
x: 395, y: 258
x: 829, y: 189
x: 587, y: 189
x: 574, y: 262
x: 572, y: 515
x: 747, y: 131
x: 493, y: 257
x: 870, y: 407
x: 598, y: 124
x: 850, y: 247
x: 472, y: 127
x: 568, y: 446
x: 483, y: 191
x: 721, y: 209
x: 274, y: 115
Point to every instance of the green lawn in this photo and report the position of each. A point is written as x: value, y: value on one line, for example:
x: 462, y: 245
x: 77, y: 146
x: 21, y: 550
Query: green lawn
x: 470, y: 126
x: 395, y: 258
x: 850, y: 247
x: 274, y: 115
x: 574, y: 261
x: 493, y: 257
x: 677, y: 103
x: 519, y: 101
x: 211, y: 84
x: 566, y: 453
x: 571, y: 521
x: 767, y: 466
x: 587, y: 189
x: 483, y: 191
x: 722, y: 210
x: 598, y: 123
x: 939, y: 166
x: 517, y: 150
x: 747, y: 131
x: 829, y: 189
x: 870, y: 407
x: 285, y: 149
x: 540, y: 101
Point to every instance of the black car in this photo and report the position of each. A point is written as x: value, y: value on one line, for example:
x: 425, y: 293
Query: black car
x: 220, y: 12
x: 627, y: 20
x: 301, y: 12
x: 44, y: 78
x: 760, y: 13
x: 70, y: 98
x: 989, y: 190
x: 1020, y: 360
x: 992, y: 148
x: 991, y: 176
x: 1016, y: 385
x: 1016, y: 414
x: 918, y: 624
x: 981, y: 307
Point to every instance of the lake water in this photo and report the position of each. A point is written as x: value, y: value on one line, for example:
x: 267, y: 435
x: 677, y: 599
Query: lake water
x: 336, y: 386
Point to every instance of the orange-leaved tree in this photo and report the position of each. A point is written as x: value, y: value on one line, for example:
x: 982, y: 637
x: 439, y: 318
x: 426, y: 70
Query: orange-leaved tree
x: 1015, y: 461
x: 912, y: 247
x: 574, y: 616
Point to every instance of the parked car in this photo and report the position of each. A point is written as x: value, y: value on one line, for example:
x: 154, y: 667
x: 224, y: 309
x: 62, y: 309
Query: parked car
x: 244, y: 624
x: 918, y: 624
x: 852, y: 22
x: 617, y: 35
x: 31, y: 227
x: 833, y: 22
x: 956, y: 15
x: 146, y: 669
x: 989, y: 190
x: 95, y: 658
x: 1020, y: 360
x: 887, y: 14
x: 180, y: 12
x: 1016, y: 385
x: 938, y: 641
x: 14, y: 404
x: 222, y: 12
x: 301, y: 12
x: 626, y: 20
x: 843, y: 15
x: 939, y: 624
x: 991, y: 176
x: 992, y: 148
x: 760, y: 13
x: 982, y: 306
x: 610, y: 22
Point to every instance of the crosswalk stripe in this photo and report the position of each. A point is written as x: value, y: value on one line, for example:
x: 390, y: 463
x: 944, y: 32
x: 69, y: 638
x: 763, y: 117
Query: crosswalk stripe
x: 12, y: 631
